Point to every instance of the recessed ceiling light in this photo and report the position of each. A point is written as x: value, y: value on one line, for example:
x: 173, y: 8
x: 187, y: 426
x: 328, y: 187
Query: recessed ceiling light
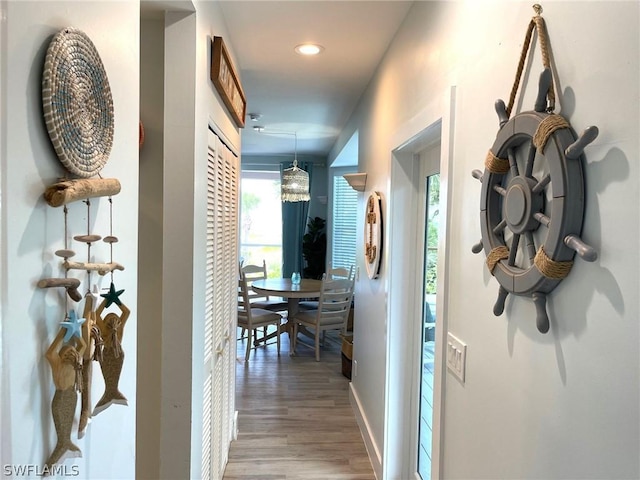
x: 309, y: 49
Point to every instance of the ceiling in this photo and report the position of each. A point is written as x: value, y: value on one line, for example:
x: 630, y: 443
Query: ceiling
x: 311, y: 97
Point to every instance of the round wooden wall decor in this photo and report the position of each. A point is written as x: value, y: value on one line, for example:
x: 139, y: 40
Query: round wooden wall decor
x: 140, y: 134
x: 373, y: 235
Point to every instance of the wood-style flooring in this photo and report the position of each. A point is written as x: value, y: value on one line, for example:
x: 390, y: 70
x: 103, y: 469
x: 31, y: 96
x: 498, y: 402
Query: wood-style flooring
x: 295, y: 421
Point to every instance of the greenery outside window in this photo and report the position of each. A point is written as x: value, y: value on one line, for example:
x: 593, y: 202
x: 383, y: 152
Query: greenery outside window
x: 261, y: 220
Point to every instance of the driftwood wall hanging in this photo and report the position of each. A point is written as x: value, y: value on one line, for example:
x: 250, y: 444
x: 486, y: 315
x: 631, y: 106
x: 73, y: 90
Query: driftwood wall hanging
x: 78, y: 112
x: 532, y: 200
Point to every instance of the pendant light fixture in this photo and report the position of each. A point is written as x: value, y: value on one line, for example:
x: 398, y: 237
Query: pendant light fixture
x: 295, y: 181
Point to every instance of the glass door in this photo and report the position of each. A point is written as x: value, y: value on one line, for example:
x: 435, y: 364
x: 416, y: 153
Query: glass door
x: 428, y: 329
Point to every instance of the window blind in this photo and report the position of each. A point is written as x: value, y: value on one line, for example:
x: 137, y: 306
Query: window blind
x: 345, y: 216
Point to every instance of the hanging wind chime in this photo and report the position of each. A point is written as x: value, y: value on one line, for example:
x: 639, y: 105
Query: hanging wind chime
x: 80, y: 122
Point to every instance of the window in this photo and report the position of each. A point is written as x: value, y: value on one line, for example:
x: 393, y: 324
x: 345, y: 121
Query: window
x: 261, y: 220
x: 344, y: 216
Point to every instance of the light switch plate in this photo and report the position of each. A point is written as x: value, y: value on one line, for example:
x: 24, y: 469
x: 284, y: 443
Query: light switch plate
x: 456, y: 356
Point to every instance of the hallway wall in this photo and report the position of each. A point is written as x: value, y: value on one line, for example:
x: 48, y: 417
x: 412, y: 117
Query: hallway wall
x: 150, y: 244
x: 560, y: 405
x: 32, y: 231
x: 174, y: 363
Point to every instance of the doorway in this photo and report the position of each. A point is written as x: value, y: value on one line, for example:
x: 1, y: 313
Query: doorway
x: 428, y: 222
x: 420, y: 154
x: 408, y: 441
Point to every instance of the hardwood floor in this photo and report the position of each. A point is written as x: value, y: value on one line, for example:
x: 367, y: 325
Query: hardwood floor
x: 295, y: 420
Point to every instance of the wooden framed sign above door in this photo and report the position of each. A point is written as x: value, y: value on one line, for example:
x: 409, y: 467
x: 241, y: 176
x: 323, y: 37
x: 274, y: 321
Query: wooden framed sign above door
x: 225, y: 79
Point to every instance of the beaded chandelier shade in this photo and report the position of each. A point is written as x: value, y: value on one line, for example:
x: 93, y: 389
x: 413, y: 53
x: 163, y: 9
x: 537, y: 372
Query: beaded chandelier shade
x: 295, y: 182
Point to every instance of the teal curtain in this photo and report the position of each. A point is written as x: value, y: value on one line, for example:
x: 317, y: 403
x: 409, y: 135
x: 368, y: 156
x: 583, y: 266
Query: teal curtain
x: 294, y: 225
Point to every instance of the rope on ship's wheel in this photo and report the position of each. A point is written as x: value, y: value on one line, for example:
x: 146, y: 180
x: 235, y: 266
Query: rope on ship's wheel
x: 536, y: 22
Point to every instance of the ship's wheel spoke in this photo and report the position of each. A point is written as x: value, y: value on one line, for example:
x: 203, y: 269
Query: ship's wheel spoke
x: 498, y: 228
x: 538, y: 187
x: 531, y: 246
x: 512, y: 162
x: 531, y: 156
x: 542, y: 218
x: 515, y: 241
x: 500, y: 190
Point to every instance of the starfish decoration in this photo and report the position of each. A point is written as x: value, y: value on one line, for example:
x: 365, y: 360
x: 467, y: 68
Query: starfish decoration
x: 73, y: 326
x: 112, y: 296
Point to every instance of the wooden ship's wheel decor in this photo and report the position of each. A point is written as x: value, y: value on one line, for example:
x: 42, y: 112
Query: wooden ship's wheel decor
x: 78, y: 112
x: 373, y: 235
x: 532, y: 200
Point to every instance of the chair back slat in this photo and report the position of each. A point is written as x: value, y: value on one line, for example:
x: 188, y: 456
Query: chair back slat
x: 340, y: 272
x: 252, y: 273
x: 335, y: 301
x: 332, y: 312
x: 243, y: 298
x: 332, y: 274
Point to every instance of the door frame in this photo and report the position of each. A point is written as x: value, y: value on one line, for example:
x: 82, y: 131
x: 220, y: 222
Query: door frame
x: 427, y: 163
x: 435, y: 122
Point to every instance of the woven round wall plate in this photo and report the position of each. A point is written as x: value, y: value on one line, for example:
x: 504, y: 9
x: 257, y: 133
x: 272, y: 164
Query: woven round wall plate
x: 77, y: 102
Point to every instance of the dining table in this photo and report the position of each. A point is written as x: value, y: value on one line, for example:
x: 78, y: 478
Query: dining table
x: 285, y: 288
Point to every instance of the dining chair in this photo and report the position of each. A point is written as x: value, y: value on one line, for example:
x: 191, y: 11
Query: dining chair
x: 332, y: 274
x: 251, y: 318
x: 259, y: 272
x: 332, y: 312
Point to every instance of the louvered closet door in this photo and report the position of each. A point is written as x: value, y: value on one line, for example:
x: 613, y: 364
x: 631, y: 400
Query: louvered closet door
x: 221, y: 298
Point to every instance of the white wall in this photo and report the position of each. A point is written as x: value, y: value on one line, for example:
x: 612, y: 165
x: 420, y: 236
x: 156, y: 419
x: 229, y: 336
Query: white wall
x: 150, y: 244
x: 33, y: 231
x: 178, y: 236
x: 176, y: 356
x: 560, y: 405
x: 210, y: 111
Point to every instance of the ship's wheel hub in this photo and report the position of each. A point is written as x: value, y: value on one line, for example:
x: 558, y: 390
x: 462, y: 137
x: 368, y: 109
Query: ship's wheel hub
x: 521, y: 203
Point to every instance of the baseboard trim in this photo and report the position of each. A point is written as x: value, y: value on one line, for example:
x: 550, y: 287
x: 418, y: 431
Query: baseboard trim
x: 234, y: 432
x: 372, y: 449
